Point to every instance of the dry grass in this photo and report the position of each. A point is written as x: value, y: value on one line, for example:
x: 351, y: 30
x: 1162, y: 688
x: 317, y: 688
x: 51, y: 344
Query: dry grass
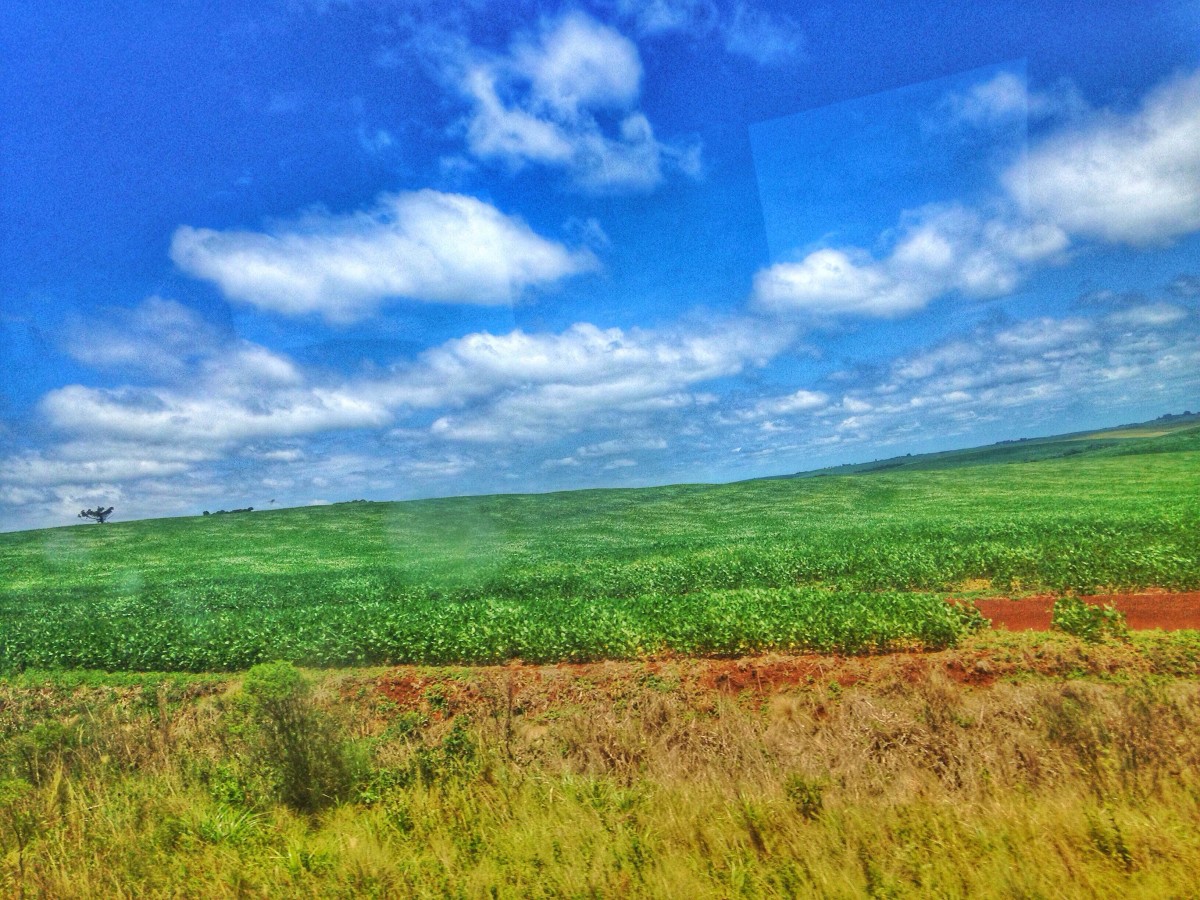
x: 886, y: 776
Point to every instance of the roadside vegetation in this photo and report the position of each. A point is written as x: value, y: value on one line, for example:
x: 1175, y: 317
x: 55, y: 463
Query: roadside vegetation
x: 1015, y: 765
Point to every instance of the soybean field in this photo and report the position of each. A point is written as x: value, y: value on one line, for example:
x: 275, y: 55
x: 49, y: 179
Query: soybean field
x: 846, y: 563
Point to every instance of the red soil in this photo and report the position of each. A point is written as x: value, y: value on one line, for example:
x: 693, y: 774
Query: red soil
x: 1169, y: 612
x: 518, y: 689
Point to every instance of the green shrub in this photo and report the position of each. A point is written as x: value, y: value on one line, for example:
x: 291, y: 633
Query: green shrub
x: 807, y: 794
x: 1090, y: 622
x: 298, y: 751
x: 19, y: 820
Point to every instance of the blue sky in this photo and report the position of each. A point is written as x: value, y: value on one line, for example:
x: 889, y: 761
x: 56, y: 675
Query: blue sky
x: 300, y: 252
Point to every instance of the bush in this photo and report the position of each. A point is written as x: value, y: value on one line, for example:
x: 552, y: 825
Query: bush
x: 296, y: 750
x: 807, y: 794
x: 1087, y: 621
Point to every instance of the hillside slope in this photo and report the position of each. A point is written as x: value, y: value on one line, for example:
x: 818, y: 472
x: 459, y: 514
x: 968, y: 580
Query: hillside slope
x: 845, y: 562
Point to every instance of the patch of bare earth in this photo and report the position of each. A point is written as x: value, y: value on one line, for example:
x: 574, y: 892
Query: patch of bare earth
x: 1143, y: 611
x: 535, y: 691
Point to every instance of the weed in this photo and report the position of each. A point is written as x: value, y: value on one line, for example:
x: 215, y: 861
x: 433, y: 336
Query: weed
x: 1088, y: 621
x: 806, y: 794
x: 295, y: 747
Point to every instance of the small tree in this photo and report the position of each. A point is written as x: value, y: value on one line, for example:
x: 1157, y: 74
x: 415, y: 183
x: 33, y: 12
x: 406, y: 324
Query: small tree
x: 100, y: 514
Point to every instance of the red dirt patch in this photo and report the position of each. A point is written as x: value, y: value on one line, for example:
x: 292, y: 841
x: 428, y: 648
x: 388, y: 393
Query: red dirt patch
x: 979, y: 671
x: 761, y: 676
x: 529, y: 692
x: 1169, y: 612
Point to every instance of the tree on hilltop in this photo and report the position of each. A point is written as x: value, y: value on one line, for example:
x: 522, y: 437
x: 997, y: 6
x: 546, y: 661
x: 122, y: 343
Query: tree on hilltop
x: 100, y: 514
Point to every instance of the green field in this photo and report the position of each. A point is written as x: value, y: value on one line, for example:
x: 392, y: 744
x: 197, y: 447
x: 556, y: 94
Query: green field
x: 851, y: 563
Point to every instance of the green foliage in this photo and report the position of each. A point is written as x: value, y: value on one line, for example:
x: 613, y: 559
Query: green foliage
x: 20, y: 822
x: 1088, y: 621
x: 35, y: 753
x: 852, y: 564
x: 807, y: 796
x: 296, y: 749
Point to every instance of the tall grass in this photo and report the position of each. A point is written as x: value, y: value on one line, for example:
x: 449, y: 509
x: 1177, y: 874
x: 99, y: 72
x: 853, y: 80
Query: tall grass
x: 637, y: 783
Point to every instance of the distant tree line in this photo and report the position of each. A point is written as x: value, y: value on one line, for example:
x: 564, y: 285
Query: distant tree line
x: 225, y: 512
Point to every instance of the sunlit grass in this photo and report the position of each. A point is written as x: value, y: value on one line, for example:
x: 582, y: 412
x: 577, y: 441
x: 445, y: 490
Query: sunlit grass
x: 589, y: 574
x: 883, y: 778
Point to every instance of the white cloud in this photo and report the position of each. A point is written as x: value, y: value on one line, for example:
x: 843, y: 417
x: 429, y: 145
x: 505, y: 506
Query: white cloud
x: 541, y: 386
x: 539, y: 105
x: 605, y: 450
x: 832, y: 282
x: 1131, y: 179
x: 937, y: 250
x: 744, y: 29
x: 224, y: 439
x: 245, y: 419
x: 449, y: 466
x: 426, y: 246
x: 1042, y: 366
x: 579, y: 64
x: 1150, y: 314
x: 617, y: 446
x: 39, y: 469
x: 375, y: 142
x: 951, y: 355
x: 765, y: 37
x: 1006, y: 97
x: 1185, y: 286
x: 620, y: 464
x: 1024, y: 376
x: 245, y: 394
x: 786, y: 405
x: 655, y: 17
x: 293, y: 454
x: 159, y: 336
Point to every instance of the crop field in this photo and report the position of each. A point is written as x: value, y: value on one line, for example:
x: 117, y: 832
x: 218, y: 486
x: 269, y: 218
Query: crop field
x: 846, y: 563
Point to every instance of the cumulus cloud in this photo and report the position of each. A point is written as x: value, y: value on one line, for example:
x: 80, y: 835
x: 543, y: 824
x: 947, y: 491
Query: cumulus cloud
x: 424, y: 246
x: 1185, y: 286
x: 253, y: 425
x: 604, y: 451
x: 618, y: 446
x: 937, y: 250
x: 550, y: 385
x: 102, y: 463
x: 247, y: 419
x: 744, y: 29
x: 1046, y: 365
x: 245, y: 394
x: 1132, y: 179
x: 543, y: 103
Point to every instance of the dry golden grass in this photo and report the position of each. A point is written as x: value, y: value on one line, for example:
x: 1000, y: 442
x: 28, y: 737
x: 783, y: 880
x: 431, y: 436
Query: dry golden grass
x: 981, y: 772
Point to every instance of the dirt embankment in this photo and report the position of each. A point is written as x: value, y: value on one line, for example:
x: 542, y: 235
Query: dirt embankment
x: 1159, y: 609
x: 517, y: 689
